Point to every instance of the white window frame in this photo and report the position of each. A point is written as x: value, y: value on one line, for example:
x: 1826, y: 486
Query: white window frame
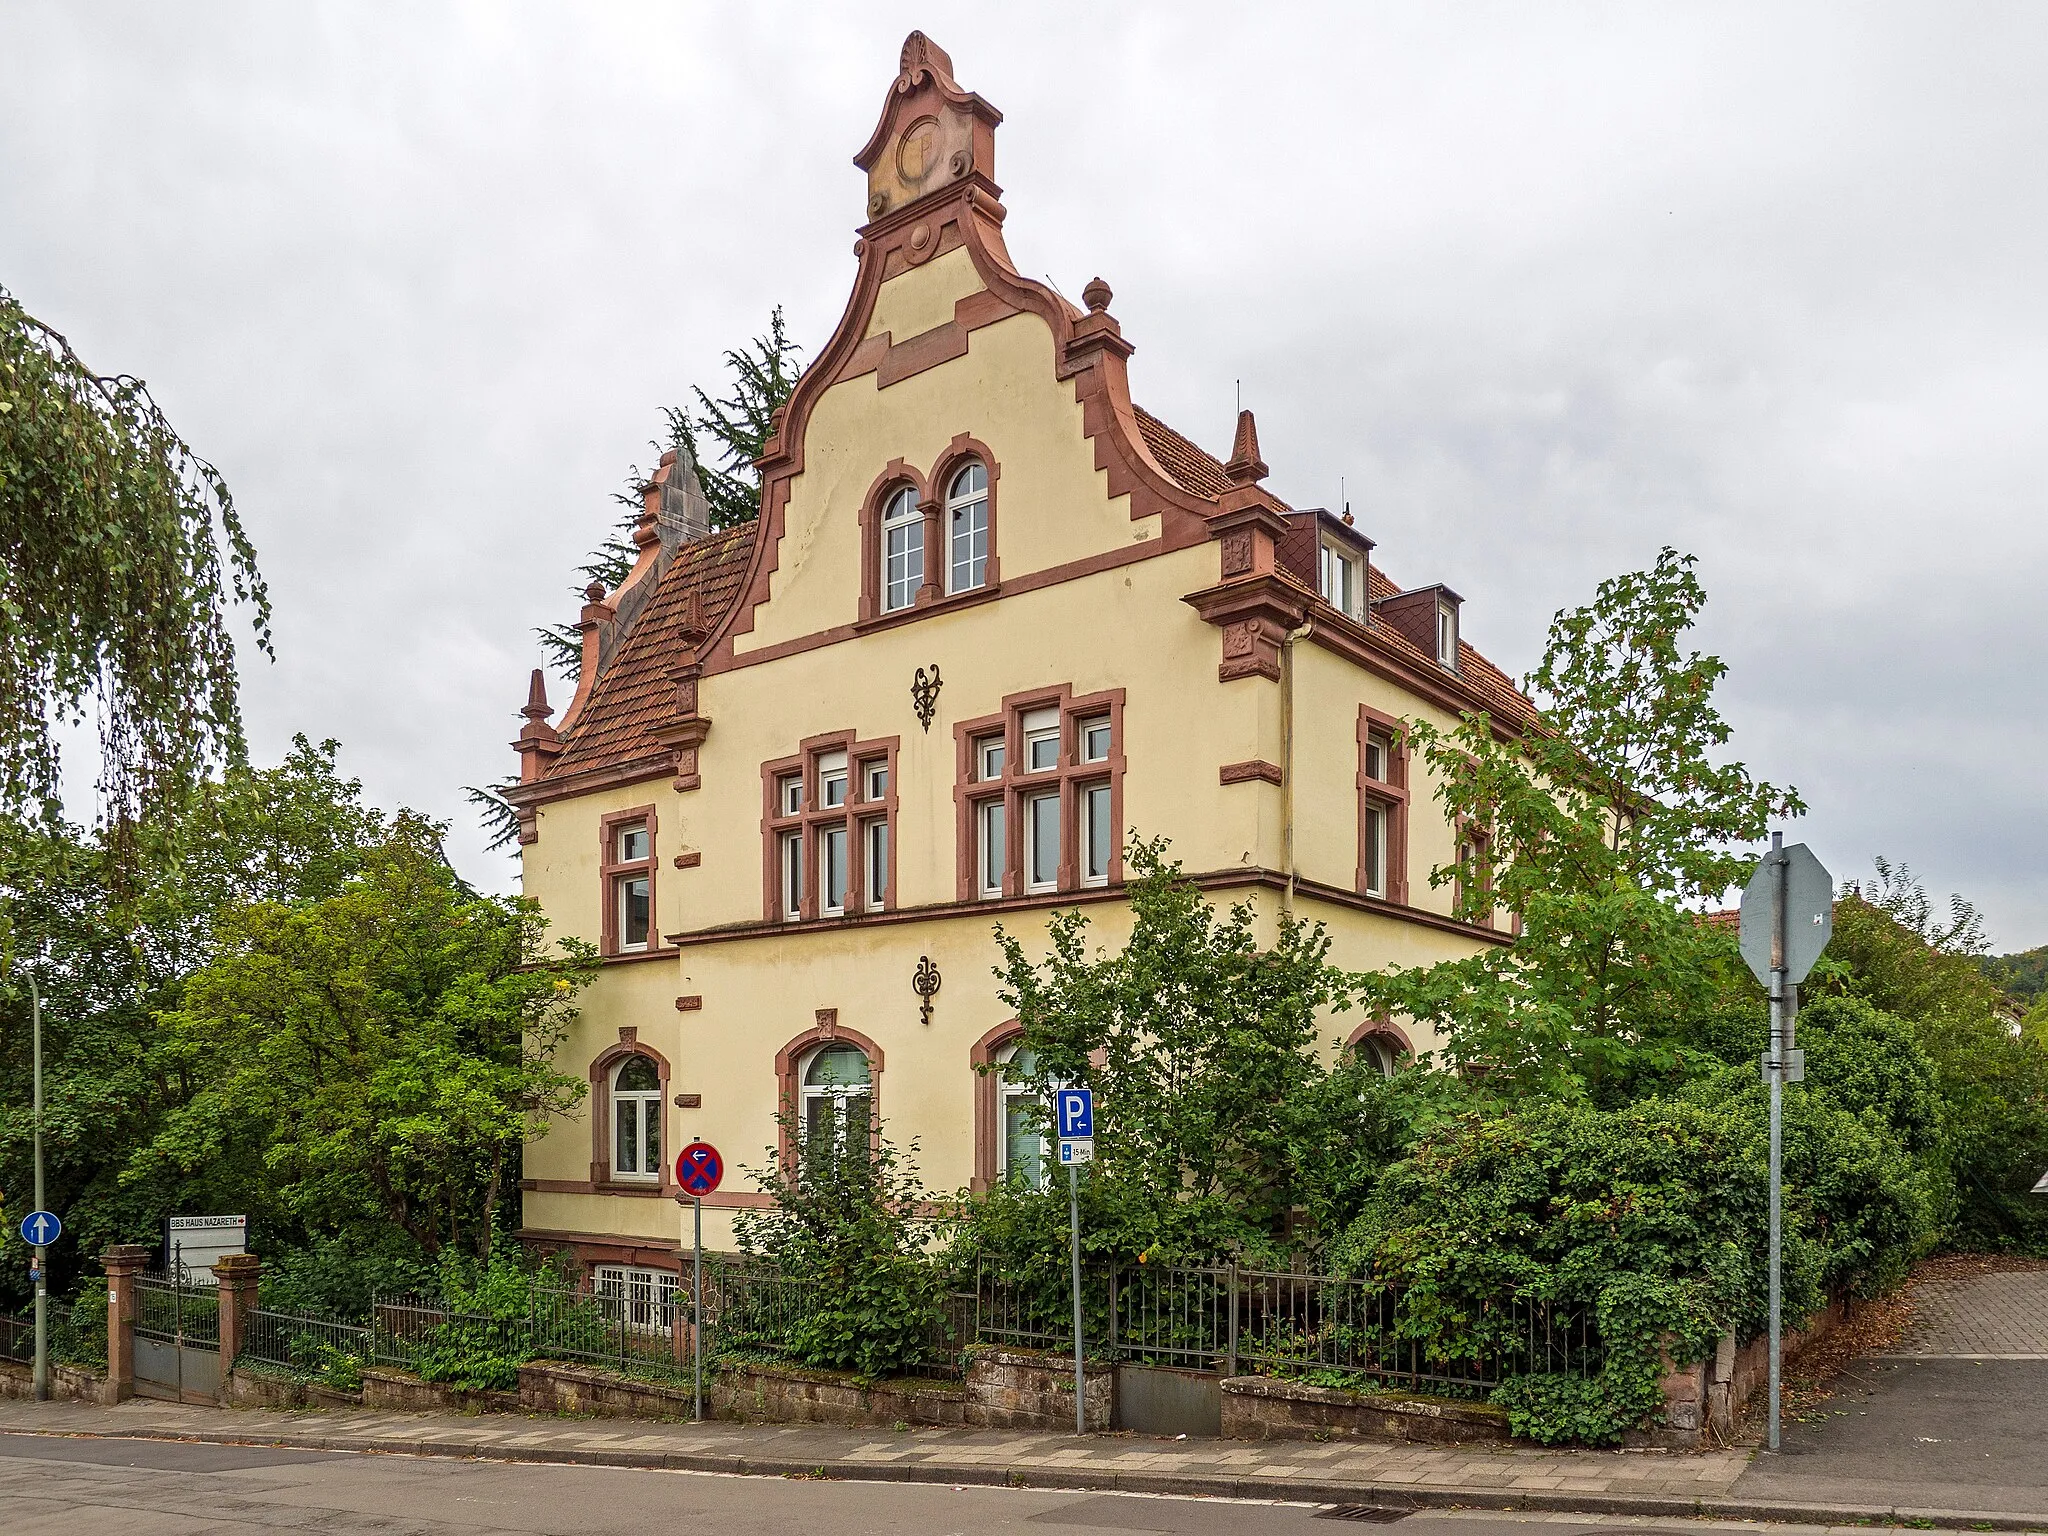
x: 624, y: 886
x: 1009, y: 1090
x: 625, y: 851
x: 967, y: 522
x: 989, y: 756
x: 834, y: 781
x: 1334, y: 560
x: 1087, y: 733
x: 833, y: 860
x: 789, y: 871
x: 902, y: 550
x: 1379, y: 826
x: 1447, y: 636
x: 874, y: 846
x: 991, y: 846
x: 638, y: 1297
x: 645, y: 1105
x: 1090, y: 853
x: 1040, y: 729
x: 1041, y: 809
x: 809, y: 1093
x: 789, y: 794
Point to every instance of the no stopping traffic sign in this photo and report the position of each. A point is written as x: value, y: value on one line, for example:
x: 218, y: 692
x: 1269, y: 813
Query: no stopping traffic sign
x: 699, y: 1169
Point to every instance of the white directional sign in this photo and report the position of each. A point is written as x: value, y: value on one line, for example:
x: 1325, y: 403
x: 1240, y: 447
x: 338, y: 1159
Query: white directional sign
x: 39, y: 1229
x: 2042, y: 1187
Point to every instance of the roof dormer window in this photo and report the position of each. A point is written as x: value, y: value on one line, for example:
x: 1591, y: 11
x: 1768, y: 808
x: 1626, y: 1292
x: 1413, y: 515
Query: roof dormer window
x: 1340, y: 580
x: 1446, y: 636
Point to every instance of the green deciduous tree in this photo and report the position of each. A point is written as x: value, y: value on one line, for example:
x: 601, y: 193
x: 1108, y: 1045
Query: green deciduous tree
x: 374, y: 1057
x: 110, y: 942
x: 120, y: 553
x: 1201, y: 1045
x: 1597, y: 824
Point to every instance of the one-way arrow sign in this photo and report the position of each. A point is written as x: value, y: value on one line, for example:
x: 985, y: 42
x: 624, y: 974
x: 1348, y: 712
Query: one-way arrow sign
x: 39, y: 1229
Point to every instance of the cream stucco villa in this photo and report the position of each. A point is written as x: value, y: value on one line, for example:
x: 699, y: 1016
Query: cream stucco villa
x: 992, y: 618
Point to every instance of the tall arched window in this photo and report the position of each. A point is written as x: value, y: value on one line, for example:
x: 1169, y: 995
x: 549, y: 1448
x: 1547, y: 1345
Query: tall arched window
x: 902, y: 550
x: 838, y: 1096
x: 967, y: 529
x: 1021, y: 1153
x: 636, y: 1119
x: 1379, y: 1052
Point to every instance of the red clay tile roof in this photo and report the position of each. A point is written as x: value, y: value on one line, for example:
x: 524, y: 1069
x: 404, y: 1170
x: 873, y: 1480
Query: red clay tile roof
x: 634, y: 694
x: 1191, y: 468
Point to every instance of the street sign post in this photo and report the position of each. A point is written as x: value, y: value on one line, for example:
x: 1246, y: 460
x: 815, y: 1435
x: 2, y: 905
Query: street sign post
x: 1788, y: 916
x: 1073, y: 1114
x: 699, y: 1171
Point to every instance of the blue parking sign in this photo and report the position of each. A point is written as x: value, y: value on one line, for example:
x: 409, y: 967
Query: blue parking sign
x: 1074, y: 1112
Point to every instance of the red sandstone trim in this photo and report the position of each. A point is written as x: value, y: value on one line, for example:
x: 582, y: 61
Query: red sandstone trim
x: 601, y: 1067
x: 1015, y: 786
x: 988, y: 1118
x: 1253, y: 769
x: 611, y: 872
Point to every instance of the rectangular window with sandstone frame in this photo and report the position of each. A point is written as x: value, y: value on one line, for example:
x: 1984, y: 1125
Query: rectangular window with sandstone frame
x: 827, y: 820
x: 1040, y: 795
x: 626, y: 871
x: 1382, y: 807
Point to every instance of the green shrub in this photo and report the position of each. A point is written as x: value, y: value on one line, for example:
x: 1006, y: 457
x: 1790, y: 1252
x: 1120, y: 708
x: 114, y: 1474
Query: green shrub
x: 845, y: 1234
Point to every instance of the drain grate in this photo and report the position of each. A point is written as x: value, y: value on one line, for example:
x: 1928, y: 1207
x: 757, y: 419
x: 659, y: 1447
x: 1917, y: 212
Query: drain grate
x: 1372, y: 1514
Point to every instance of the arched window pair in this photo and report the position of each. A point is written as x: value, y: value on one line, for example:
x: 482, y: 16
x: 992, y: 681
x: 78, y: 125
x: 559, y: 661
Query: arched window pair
x: 965, y: 528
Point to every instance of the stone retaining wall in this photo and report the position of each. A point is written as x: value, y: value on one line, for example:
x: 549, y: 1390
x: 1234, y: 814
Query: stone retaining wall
x: 71, y: 1383
x: 1263, y: 1408
x: 1004, y: 1389
x: 1704, y: 1403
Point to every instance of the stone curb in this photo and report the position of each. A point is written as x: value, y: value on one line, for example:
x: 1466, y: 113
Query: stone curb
x: 981, y: 1474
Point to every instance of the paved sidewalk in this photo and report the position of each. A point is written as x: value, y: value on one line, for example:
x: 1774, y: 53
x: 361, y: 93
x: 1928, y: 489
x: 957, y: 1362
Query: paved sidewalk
x: 2001, y: 1316
x: 1612, y: 1482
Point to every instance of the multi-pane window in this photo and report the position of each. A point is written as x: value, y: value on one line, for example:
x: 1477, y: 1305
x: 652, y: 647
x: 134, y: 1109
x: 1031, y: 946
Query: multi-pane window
x: 1021, y: 1152
x: 1475, y: 875
x: 967, y: 529
x: 1039, y: 797
x: 636, y: 1120
x: 837, y: 1090
x: 628, y: 875
x: 639, y: 1298
x: 902, y: 550
x: 828, y: 826
x: 1340, y: 580
x: 1382, y: 808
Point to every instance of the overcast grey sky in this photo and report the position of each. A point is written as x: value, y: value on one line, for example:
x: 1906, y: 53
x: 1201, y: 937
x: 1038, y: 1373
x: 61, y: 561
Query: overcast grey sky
x: 1548, y: 286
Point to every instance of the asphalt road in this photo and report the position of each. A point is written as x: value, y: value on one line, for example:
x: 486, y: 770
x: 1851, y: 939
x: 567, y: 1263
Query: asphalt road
x: 111, y: 1487
x: 1933, y: 1433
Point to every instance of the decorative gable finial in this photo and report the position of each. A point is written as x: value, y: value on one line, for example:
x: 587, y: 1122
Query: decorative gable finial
x: 537, y: 706
x: 920, y: 53
x: 538, y: 742
x: 1245, y: 466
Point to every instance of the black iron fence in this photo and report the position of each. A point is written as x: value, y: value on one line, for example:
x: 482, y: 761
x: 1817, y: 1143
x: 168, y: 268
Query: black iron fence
x: 172, y: 1310
x: 1246, y: 1321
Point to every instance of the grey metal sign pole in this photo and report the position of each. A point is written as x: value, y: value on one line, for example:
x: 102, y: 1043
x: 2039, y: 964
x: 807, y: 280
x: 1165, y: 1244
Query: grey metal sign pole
x: 42, y: 1372
x: 1080, y: 1376
x: 1788, y: 916
x: 1776, y: 1073
x: 697, y: 1309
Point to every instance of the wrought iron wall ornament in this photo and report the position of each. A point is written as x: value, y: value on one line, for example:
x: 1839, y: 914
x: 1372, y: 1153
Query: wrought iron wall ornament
x: 924, y: 695
x: 925, y: 983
